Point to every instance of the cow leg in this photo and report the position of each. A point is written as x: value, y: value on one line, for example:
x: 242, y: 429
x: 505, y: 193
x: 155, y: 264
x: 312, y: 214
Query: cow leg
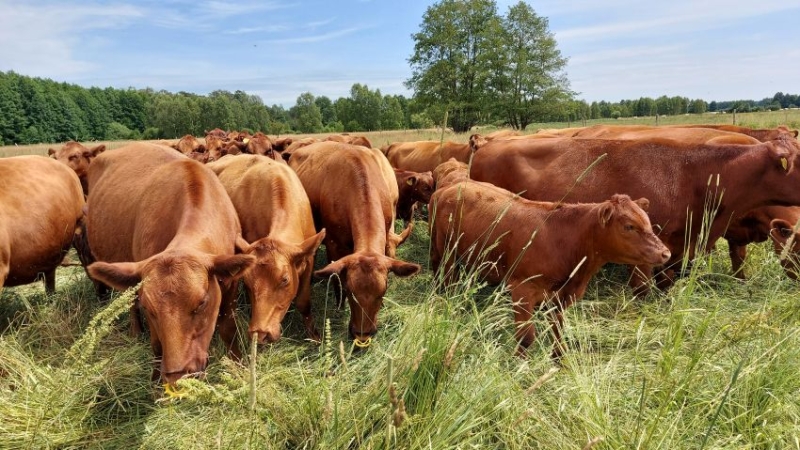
x: 523, y: 299
x: 303, y: 302
x: 50, y: 282
x: 738, y: 254
x: 227, y: 319
x: 557, y: 324
x: 137, y: 325
x: 155, y: 344
x: 81, y: 244
x: 333, y: 252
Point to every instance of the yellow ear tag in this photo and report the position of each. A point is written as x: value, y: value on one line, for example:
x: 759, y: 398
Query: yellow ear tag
x: 410, y: 182
x: 785, y: 164
x: 362, y: 344
x: 245, y: 140
x: 173, y: 392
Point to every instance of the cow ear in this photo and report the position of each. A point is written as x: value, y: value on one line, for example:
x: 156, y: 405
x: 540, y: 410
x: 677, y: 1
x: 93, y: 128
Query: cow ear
x: 794, y: 132
x: 97, y: 150
x: 336, y: 267
x: 119, y: 276
x: 403, y: 269
x: 51, y: 153
x: 411, y: 180
x: 780, y: 229
x: 605, y: 213
x: 231, y: 266
x: 241, y: 245
x: 308, y: 248
x: 643, y: 203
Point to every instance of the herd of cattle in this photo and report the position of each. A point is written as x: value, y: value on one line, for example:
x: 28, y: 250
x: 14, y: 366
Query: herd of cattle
x: 541, y: 213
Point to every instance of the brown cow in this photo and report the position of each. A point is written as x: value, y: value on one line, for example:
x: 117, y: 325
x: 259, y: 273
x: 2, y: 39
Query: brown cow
x: 501, y: 134
x: 775, y: 222
x: 276, y: 220
x: 77, y: 157
x: 350, y: 199
x: 542, y: 251
x: 424, y: 156
x: 763, y: 134
x: 40, y: 206
x: 157, y: 216
x: 414, y: 187
x: 754, y: 224
x: 348, y: 139
x: 218, y: 133
x: 188, y: 144
x: 281, y: 144
x: 673, y: 175
x: 449, y: 172
x: 261, y: 144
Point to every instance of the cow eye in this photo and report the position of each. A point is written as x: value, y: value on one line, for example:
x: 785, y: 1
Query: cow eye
x: 284, y: 281
x: 202, y: 305
x: 629, y: 227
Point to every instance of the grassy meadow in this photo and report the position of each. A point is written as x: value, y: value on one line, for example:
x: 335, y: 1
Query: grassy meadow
x: 712, y: 363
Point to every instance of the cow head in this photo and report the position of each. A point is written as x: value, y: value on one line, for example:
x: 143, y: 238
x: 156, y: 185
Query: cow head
x: 181, y: 298
x: 365, y: 277
x: 281, y: 144
x: 422, y: 186
x: 360, y: 140
x: 782, y: 232
x: 274, y: 281
x: 625, y: 234
x: 476, y: 141
x: 77, y: 157
x: 188, y: 144
x: 260, y: 144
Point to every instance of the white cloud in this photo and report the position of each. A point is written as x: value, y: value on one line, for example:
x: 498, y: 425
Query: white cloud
x: 318, y: 38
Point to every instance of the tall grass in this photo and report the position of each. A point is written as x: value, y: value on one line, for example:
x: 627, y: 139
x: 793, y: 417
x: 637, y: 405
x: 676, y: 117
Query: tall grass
x: 712, y: 363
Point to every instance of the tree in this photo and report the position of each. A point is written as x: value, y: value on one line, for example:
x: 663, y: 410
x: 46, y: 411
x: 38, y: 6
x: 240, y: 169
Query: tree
x: 306, y: 114
x: 531, y: 69
x: 454, y: 52
x: 326, y: 109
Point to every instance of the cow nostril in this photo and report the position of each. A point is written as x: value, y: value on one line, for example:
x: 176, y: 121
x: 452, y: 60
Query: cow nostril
x: 666, y: 254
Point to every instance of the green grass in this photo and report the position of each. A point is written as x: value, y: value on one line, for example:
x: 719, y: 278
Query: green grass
x: 712, y: 363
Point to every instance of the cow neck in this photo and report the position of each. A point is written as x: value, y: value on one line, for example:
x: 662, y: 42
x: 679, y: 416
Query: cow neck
x: 368, y: 228
x: 745, y: 169
x: 579, y: 221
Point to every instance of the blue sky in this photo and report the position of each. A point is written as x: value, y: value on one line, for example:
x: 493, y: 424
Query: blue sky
x: 617, y: 49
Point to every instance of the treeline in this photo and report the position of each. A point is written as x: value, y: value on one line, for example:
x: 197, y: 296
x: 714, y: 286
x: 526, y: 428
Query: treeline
x: 34, y: 110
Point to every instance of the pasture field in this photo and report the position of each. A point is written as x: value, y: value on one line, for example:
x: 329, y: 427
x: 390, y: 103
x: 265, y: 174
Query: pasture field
x: 711, y: 363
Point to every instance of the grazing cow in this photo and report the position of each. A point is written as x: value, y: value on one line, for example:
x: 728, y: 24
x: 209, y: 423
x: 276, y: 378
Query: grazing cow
x: 157, y: 216
x: 280, y: 144
x: 41, y: 203
x: 763, y: 134
x: 276, y: 220
x: 77, y: 157
x: 218, y: 133
x: 449, y: 172
x: 350, y: 198
x: 414, y: 187
x: 348, y: 139
x: 297, y: 144
x: 188, y: 144
x: 760, y: 224
x: 261, y: 144
x: 424, y: 156
x: 542, y: 251
x: 675, y: 176
x: 501, y: 134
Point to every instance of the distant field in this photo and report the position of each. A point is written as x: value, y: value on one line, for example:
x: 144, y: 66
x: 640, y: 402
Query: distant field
x: 711, y: 364
x: 770, y: 119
